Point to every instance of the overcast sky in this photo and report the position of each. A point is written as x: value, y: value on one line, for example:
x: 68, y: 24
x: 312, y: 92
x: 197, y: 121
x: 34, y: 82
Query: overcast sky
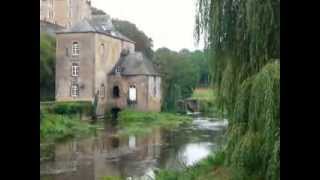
x: 170, y: 23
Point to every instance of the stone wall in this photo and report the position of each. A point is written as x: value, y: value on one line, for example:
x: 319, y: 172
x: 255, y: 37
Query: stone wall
x: 64, y: 12
x: 107, y: 54
x: 64, y: 60
x: 47, y: 10
x: 79, y: 9
x: 145, y: 101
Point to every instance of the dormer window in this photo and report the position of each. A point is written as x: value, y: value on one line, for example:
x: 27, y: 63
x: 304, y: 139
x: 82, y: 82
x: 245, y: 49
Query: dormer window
x: 75, y: 49
x: 118, y: 69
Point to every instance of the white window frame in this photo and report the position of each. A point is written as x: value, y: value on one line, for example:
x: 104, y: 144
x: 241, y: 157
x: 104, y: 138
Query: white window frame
x: 133, y: 93
x: 75, y: 48
x: 74, y: 90
x: 75, y: 70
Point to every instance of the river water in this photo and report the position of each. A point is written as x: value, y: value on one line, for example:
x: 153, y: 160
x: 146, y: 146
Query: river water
x: 134, y: 157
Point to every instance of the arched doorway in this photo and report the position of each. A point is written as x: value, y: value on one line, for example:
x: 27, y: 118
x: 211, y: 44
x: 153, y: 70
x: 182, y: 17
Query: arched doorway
x: 116, y: 92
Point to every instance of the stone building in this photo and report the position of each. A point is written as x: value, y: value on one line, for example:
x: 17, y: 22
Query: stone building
x: 46, y: 11
x: 87, y: 52
x: 133, y: 82
x: 64, y: 12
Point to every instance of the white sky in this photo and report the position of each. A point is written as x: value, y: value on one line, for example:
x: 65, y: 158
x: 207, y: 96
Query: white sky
x: 170, y: 23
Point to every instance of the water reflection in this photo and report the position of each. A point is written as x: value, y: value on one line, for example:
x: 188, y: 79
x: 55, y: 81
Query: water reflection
x: 109, y: 154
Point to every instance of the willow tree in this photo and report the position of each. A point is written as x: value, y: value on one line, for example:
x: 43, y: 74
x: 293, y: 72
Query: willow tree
x: 243, y: 41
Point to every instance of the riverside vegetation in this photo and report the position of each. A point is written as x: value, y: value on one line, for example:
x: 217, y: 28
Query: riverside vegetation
x: 132, y: 122
x: 61, y: 120
x: 243, y: 40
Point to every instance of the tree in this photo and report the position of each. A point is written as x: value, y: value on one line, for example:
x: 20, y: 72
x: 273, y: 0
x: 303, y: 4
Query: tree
x: 47, y: 66
x: 243, y: 41
x: 179, y: 76
x: 96, y: 11
x: 143, y: 42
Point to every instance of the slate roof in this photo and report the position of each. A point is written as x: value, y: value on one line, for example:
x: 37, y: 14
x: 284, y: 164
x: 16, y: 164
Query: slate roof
x: 49, y: 28
x: 135, y: 63
x: 98, y: 24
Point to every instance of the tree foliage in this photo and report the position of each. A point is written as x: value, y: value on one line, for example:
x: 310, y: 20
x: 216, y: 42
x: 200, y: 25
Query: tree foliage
x: 243, y: 40
x: 181, y: 73
x: 130, y: 30
x: 47, y: 66
x: 96, y: 11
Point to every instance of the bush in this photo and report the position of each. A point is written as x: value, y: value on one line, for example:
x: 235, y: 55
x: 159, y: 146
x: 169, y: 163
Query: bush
x: 55, y: 127
x: 71, y: 108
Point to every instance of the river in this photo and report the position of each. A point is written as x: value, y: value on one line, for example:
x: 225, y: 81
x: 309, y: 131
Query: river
x: 134, y: 157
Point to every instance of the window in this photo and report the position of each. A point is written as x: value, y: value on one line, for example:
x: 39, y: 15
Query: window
x: 67, y: 52
x: 154, y: 86
x: 102, y: 50
x: 75, y: 49
x: 75, y: 70
x: 74, y: 90
x: 118, y: 69
x: 132, y: 93
x: 116, y: 92
x: 102, y: 91
x: 104, y: 27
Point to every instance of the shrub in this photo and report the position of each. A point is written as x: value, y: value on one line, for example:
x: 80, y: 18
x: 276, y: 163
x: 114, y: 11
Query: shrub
x: 55, y: 127
x: 71, y: 108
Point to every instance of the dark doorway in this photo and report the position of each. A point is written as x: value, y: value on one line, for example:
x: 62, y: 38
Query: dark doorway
x: 116, y: 92
x: 114, y: 112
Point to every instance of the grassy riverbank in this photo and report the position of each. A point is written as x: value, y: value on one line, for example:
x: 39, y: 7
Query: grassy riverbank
x: 133, y: 122
x: 204, y: 170
x: 207, y: 99
x: 212, y: 167
x: 59, y: 121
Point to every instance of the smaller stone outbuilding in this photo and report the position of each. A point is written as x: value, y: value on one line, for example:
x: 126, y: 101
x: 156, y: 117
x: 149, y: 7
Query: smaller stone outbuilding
x: 134, y: 83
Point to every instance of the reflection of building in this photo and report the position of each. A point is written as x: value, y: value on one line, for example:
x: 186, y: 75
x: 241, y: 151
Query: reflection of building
x: 96, y: 158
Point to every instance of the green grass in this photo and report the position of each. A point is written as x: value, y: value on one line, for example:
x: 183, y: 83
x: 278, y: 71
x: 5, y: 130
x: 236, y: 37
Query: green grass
x: 209, y: 168
x: 207, y: 99
x: 204, y: 94
x: 59, y: 121
x: 68, y: 108
x: 54, y: 127
x: 112, y: 178
x: 133, y: 122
